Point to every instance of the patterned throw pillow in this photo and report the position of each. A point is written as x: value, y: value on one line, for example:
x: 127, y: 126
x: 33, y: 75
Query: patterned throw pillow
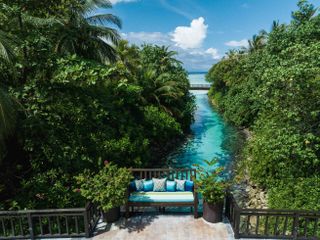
x: 180, y: 185
x: 139, y: 184
x: 159, y: 184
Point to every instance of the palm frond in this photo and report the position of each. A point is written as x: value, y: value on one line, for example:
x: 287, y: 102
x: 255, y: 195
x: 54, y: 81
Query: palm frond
x: 90, y: 6
x: 6, y: 47
x: 105, y: 52
x: 109, y: 34
x: 65, y: 44
x: 95, y: 42
x: 104, y: 18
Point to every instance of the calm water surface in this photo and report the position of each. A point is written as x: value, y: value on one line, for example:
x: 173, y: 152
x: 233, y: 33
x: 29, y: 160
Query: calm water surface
x: 208, y: 134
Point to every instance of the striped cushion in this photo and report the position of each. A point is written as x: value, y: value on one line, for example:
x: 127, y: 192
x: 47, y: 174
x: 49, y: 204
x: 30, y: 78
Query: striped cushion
x: 161, y: 197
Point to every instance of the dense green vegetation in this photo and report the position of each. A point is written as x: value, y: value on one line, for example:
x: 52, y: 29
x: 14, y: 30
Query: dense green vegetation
x: 107, y: 188
x: 273, y: 88
x: 73, y: 94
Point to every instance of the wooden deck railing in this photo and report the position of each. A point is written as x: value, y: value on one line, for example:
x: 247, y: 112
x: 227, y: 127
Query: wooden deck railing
x: 178, y: 173
x: 272, y: 223
x: 50, y: 223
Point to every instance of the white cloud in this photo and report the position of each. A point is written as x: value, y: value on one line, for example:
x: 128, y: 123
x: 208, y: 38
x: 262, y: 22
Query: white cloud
x: 118, y: 1
x: 241, y: 43
x: 190, y: 52
x: 214, y: 53
x: 190, y: 37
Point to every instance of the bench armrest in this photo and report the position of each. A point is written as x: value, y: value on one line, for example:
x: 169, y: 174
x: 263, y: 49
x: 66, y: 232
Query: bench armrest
x: 195, y: 193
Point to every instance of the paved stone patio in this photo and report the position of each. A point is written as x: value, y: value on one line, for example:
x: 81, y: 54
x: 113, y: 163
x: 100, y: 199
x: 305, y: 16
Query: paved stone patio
x: 156, y: 226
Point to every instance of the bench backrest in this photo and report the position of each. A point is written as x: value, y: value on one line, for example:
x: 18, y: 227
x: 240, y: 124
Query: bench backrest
x: 170, y: 173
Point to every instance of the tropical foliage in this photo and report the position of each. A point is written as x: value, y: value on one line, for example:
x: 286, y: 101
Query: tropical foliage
x: 107, y: 188
x: 273, y: 89
x: 74, y: 94
x: 83, y: 33
x: 210, y: 182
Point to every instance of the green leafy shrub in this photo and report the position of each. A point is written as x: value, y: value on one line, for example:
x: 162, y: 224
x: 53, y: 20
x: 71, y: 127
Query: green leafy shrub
x: 160, y: 124
x: 295, y: 193
x: 50, y: 189
x: 210, y: 183
x: 107, y: 188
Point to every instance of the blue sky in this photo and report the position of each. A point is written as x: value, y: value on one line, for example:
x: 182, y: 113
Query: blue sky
x: 201, y: 31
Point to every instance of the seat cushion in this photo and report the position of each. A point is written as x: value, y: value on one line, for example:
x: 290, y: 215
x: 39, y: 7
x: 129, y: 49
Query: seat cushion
x: 157, y: 197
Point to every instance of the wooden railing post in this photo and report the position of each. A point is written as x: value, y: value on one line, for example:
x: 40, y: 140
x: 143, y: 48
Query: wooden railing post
x: 87, y: 228
x: 236, y: 223
x: 227, y: 209
x: 295, y: 226
x: 30, y: 226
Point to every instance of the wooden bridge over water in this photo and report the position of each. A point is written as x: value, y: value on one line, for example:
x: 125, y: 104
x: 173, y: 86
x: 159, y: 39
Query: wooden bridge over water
x: 202, y: 86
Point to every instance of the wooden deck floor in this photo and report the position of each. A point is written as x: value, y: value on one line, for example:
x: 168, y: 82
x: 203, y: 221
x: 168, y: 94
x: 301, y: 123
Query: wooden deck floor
x: 154, y: 226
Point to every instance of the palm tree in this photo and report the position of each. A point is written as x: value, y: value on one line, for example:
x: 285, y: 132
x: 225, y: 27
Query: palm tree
x: 257, y: 42
x: 83, y: 33
x: 168, y: 57
x: 128, y: 56
x: 277, y: 26
x: 161, y: 90
x: 235, y: 53
x: 305, y: 13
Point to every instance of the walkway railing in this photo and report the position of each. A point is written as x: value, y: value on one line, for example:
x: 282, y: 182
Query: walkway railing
x: 272, y: 224
x: 51, y: 223
x: 200, y: 86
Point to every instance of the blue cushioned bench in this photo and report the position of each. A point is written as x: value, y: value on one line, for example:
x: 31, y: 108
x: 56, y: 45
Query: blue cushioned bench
x: 165, y: 198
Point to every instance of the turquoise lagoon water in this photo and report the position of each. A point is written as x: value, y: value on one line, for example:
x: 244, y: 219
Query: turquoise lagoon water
x: 208, y: 134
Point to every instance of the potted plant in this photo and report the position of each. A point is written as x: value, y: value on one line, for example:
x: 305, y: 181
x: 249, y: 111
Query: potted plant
x: 212, y: 187
x: 107, y: 189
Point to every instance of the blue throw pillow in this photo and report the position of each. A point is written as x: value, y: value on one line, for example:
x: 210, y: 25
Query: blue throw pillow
x: 147, y: 185
x: 189, y: 186
x: 171, y: 186
x: 132, y: 186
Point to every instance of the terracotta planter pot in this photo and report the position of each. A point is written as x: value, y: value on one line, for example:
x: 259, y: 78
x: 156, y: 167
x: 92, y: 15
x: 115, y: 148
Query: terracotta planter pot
x: 212, y: 212
x: 112, y: 215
